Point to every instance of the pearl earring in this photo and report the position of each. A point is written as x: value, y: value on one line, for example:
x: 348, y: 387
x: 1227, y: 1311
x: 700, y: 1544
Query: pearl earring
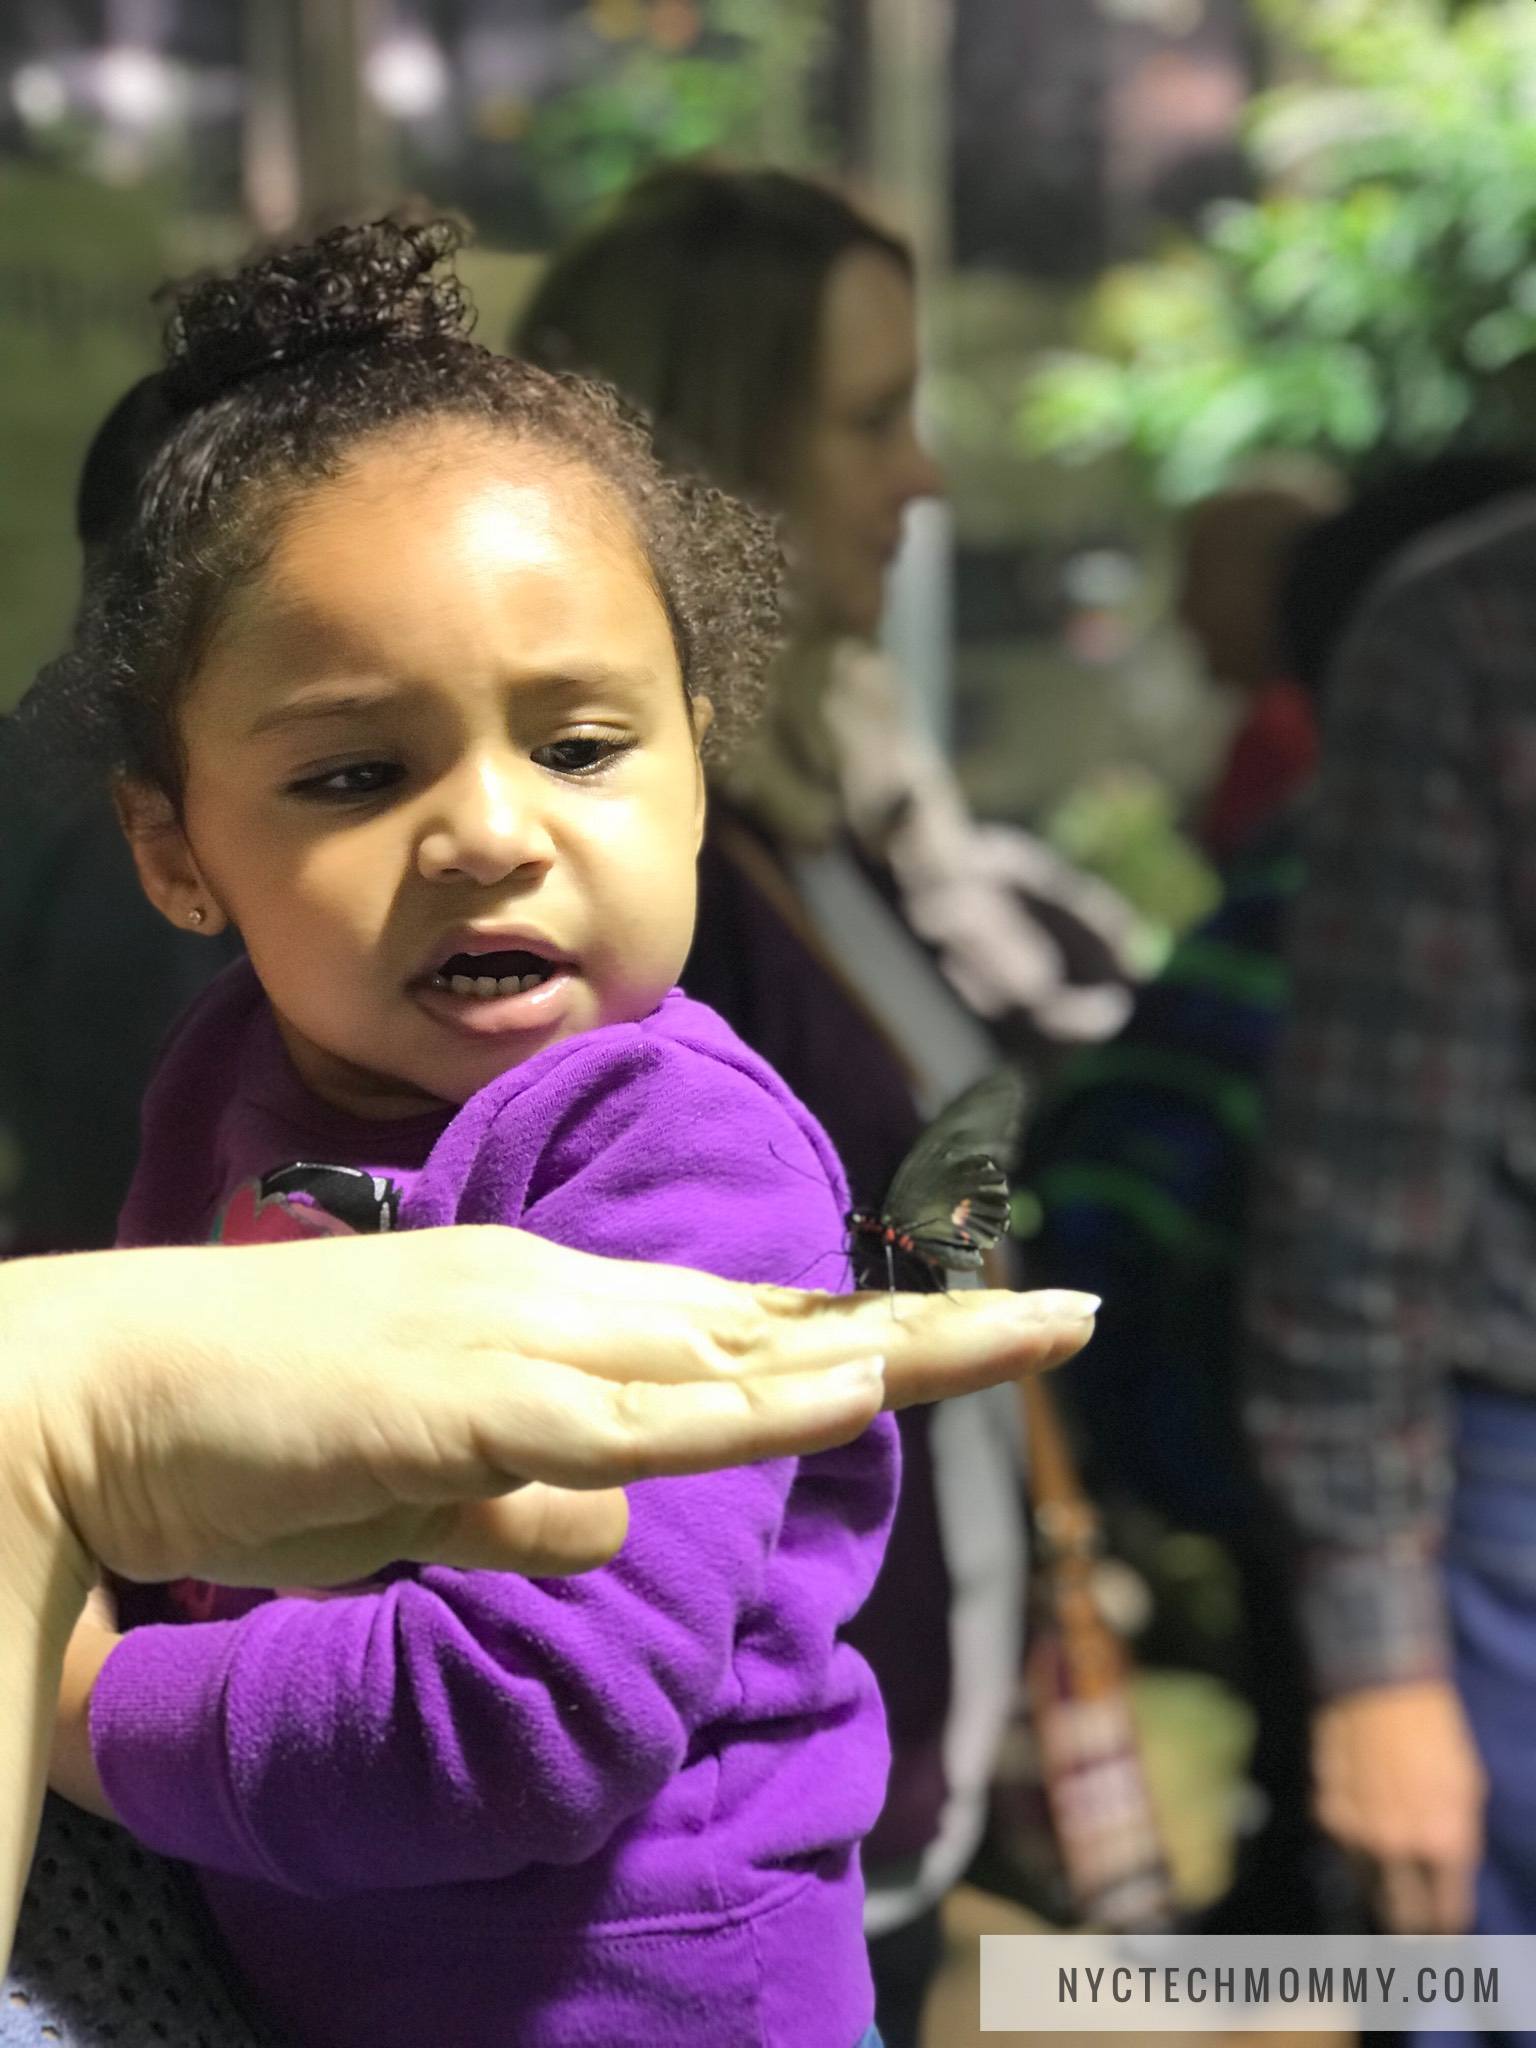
x: 196, y: 914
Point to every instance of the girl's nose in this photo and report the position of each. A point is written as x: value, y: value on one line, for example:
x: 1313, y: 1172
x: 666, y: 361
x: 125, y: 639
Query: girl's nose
x: 487, y: 826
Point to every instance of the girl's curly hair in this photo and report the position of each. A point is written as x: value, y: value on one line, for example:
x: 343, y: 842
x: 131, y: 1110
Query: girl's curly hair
x: 273, y: 375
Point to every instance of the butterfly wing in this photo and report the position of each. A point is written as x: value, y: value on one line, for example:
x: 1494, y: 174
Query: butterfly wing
x: 364, y: 1203
x: 950, y: 1193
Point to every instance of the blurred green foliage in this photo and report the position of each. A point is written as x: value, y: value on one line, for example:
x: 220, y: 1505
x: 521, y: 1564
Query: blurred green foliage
x: 1377, y: 300
x: 78, y: 262
x: 676, y: 78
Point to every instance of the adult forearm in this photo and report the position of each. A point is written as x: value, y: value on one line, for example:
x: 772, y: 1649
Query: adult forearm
x: 34, y: 1631
x: 43, y: 1580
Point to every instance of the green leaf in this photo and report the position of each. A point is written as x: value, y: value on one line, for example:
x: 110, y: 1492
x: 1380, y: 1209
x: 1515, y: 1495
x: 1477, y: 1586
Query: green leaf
x: 1374, y: 297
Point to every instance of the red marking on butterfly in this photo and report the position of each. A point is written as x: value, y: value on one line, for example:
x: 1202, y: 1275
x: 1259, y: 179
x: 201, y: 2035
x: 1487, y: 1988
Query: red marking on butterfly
x: 305, y: 1200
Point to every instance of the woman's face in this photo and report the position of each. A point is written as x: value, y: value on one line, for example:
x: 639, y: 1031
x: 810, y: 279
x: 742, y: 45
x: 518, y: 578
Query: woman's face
x: 860, y: 461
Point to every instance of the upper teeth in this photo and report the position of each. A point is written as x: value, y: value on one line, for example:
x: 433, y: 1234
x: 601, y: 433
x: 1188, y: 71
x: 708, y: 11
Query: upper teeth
x: 484, y: 985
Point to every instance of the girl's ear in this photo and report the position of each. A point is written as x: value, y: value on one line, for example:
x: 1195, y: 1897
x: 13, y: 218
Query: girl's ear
x: 168, y: 871
x: 702, y: 713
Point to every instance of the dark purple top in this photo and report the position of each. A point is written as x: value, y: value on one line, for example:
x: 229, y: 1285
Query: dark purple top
x: 474, y: 1808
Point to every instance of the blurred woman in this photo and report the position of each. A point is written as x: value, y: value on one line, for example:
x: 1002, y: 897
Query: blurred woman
x: 856, y: 926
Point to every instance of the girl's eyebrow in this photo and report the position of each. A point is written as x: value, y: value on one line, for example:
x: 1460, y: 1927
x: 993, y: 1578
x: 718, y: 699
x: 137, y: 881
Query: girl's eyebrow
x: 578, y: 680
x: 581, y: 678
x: 303, y: 710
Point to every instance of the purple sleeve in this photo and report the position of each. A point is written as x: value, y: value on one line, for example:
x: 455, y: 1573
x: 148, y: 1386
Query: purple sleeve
x: 459, y: 1725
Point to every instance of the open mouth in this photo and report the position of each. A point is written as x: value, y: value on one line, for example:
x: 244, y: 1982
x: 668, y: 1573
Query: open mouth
x: 485, y: 975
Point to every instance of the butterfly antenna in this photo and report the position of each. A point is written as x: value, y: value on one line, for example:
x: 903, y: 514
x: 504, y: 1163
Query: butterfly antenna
x: 810, y: 1267
x: 816, y: 1180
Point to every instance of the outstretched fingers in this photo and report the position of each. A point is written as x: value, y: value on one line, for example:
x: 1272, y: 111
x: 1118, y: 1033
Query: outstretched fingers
x: 590, y: 1432
x: 939, y: 1345
x: 540, y: 1531
x: 681, y: 1326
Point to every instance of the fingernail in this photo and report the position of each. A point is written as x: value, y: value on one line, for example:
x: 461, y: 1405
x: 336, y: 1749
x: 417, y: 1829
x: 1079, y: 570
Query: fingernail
x: 1057, y: 1305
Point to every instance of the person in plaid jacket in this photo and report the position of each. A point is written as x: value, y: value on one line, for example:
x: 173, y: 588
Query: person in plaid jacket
x: 1391, y: 1311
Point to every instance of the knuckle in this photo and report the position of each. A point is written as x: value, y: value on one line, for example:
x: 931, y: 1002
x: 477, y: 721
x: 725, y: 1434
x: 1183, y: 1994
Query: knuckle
x: 626, y: 1438
x: 738, y: 1334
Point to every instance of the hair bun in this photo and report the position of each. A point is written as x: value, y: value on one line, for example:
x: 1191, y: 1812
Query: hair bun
x: 349, y: 288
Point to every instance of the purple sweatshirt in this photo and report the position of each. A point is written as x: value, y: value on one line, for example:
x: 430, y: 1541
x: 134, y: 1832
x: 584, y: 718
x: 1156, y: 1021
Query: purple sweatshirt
x: 471, y: 1808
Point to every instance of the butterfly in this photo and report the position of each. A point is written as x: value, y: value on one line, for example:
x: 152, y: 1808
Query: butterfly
x: 306, y: 1200
x: 948, y: 1203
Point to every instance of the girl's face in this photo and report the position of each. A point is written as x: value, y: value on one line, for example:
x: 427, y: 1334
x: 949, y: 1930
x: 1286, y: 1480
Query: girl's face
x: 441, y: 772
x: 860, y: 462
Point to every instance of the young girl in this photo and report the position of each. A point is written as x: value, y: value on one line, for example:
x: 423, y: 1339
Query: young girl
x: 405, y: 666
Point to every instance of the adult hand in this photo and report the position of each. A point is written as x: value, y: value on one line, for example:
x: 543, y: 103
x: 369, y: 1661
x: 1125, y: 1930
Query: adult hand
x: 307, y: 1413
x: 1400, y: 1784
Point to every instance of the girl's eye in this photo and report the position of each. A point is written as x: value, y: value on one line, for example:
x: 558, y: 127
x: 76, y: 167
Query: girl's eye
x: 583, y: 754
x: 360, y: 779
